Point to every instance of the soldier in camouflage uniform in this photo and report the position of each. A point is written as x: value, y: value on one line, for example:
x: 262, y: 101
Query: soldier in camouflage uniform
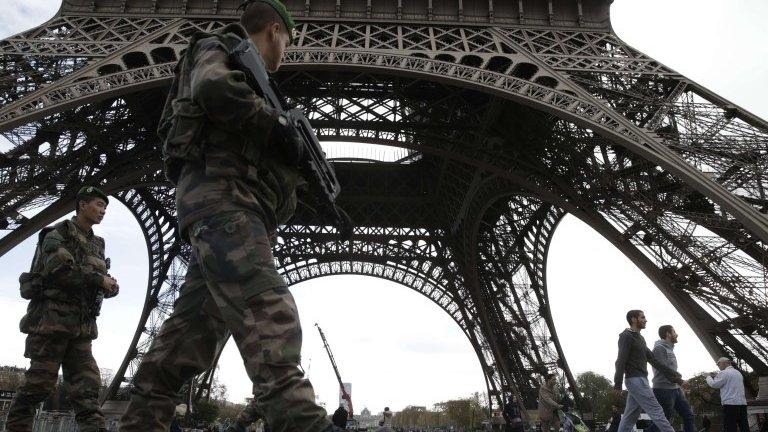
x: 234, y: 164
x: 65, y: 287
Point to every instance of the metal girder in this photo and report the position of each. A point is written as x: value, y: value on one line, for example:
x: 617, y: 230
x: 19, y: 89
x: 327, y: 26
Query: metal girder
x: 153, y: 209
x: 58, y: 208
x: 415, y: 258
x: 507, y: 237
x: 561, y: 13
x: 581, y: 108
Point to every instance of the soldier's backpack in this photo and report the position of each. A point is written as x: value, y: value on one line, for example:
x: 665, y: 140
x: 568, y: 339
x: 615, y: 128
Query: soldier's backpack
x: 181, y: 124
x: 31, y: 282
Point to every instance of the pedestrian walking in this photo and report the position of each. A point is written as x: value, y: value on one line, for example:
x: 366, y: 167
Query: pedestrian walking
x: 340, y: 417
x: 762, y: 423
x: 548, y: 404
x: 175, y: 425
x: 512, y: 417
x: 615, y: 418
x: 234, y: 161
x: 631, y: 365
x: 385, y: 424
x: 669, y: 394
x: 65, y: 286
x: 387, y: 418
x: 732, y: 398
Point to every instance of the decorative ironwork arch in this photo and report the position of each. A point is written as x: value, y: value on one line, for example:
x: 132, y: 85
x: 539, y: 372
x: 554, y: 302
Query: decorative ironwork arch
x: 417, y: 282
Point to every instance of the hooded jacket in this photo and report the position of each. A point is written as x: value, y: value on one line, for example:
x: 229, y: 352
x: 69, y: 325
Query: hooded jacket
x: 664, y: 353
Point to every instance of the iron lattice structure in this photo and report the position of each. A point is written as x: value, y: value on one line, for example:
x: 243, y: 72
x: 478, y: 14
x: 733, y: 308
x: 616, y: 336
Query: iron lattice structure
x: 508, y: 115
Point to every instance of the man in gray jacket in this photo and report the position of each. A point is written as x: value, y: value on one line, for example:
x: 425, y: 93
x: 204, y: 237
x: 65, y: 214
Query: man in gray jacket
x: 668, y: 393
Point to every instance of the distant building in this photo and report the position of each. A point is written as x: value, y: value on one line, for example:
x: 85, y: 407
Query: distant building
x: 366, y: 419
x: 6, y: 396
x: 10, y: 377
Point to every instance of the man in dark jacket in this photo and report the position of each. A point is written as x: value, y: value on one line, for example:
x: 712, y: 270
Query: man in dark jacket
x: 512, y: 417
x: 615, y: 418
x: 668, y: 393
x: 340, y: 416
x: 175, y: 425
x: 631, y: 366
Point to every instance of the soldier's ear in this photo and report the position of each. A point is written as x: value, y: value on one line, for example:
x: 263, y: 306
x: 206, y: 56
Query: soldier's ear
x: 275, y: 29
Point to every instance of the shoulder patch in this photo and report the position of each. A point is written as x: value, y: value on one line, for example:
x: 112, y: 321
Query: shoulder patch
x: 68, y: 227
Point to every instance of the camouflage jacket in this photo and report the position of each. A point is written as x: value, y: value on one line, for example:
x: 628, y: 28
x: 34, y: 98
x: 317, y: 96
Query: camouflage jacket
x: 72, y: 267
x: 237, y: 169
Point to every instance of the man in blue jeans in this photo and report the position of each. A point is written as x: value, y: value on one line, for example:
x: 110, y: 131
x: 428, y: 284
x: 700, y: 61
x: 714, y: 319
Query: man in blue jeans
x: 668, y: 393
x: 631, y: 366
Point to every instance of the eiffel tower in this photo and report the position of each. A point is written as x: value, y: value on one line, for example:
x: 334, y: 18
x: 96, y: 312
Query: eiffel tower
x: 501, y: 117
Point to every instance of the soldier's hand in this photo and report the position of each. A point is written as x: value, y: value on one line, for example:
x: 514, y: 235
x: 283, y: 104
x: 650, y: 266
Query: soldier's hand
x: 110, y: 285
x: 291, y: 146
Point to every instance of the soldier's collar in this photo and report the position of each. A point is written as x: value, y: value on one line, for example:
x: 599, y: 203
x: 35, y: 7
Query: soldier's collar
x: 236, y: 29
x: 87, y: 233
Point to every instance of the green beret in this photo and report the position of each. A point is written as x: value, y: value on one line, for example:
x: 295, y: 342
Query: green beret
x: 93, y: 192
x: 279, y: 7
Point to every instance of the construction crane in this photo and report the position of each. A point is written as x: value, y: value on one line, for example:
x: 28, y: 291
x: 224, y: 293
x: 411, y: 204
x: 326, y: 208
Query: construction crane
x: 344, y: 394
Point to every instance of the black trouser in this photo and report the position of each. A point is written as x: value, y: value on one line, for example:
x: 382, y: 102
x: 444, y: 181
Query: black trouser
x: 735, y: 418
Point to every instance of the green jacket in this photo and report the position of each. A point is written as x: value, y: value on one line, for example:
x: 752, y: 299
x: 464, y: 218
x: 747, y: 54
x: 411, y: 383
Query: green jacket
x: 72, y: 266
x: 222, y: 130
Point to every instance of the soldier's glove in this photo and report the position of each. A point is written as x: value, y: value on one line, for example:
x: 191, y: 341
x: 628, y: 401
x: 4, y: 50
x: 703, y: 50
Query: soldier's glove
x: 290, y: 145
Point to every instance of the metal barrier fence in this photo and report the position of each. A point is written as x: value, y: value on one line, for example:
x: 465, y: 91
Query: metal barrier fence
x: 59, y: 421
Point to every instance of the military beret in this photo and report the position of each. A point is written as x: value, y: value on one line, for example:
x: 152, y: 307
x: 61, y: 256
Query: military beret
x: 279, y: 7
x: 93, y: 192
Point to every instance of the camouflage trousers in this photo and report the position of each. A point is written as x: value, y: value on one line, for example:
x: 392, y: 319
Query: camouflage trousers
x: 231, y: 285
x: 81, y: 375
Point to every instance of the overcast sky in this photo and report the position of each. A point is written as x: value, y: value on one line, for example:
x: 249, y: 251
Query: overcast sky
x: 395, y: 346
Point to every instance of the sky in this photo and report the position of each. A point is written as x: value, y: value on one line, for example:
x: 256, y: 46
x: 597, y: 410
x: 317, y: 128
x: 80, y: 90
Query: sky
x: 395, y: 346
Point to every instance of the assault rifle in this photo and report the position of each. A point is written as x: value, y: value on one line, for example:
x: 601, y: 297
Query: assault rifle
x: 314, y: 167
x: 95, y: 298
